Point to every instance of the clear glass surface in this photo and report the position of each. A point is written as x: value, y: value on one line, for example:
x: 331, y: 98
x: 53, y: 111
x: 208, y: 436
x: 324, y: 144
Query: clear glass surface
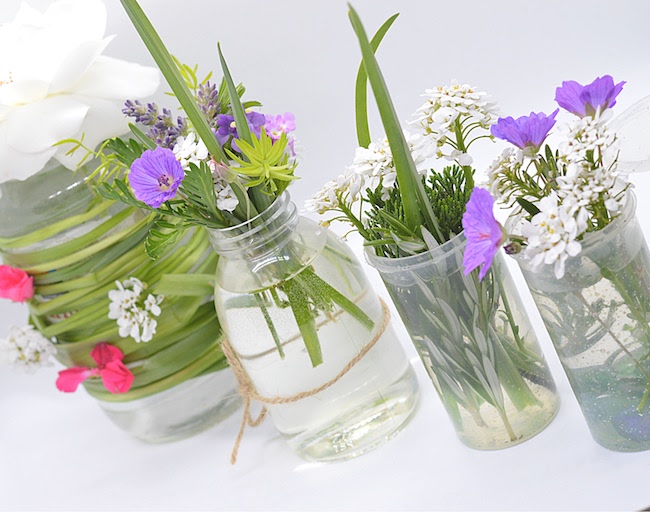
x: 597, y: 316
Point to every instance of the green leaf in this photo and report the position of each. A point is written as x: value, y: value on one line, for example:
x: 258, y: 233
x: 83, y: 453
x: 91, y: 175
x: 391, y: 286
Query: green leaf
x: 171, y: 73
x: 414, y: 198
x: 161, y: 239
x: 238, y: 112
x: 361, y: 94
x: 186, y: 285
x: 300, y: 306
x: 528, y: 206
x: 139, y: 134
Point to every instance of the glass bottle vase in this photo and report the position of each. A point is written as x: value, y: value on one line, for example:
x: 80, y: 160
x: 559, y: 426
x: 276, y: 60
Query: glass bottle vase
x: 598, y: 318
x: 476, y: 343
x: 270, y: 271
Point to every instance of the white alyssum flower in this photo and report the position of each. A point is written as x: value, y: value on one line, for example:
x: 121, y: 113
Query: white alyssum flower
x: 497, y: 182
x: 583, y: 135
x: 374, y: 164
x: 134, y: 315
x: 552, y: 235
x: 27, y: 349
x: 371, y: 166
x: 190, y: 150
x: 226, y: 198
x: 55, y: 84
x: 444, y: 106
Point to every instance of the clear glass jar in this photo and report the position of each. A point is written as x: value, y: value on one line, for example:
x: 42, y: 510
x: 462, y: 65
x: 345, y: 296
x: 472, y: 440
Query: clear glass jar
x: 49, y: 220
x: 181, y: 411
x: 597, y: 316
x: 475, y: 341
x: 259, y: 263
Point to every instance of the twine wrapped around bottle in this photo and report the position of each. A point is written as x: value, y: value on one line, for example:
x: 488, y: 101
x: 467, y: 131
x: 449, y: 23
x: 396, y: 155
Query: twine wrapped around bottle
x: 248, y: 392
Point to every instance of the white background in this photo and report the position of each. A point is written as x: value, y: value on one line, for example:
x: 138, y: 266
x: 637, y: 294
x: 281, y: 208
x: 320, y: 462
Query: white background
x: 58, y: 452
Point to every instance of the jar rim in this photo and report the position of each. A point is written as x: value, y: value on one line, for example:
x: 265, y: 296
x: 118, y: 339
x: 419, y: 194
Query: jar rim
x: 433, y: 256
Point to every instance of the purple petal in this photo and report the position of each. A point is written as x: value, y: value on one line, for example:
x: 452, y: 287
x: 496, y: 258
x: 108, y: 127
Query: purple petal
x: 568, y: 96
x: 155, y: 176
x: 483, y: 232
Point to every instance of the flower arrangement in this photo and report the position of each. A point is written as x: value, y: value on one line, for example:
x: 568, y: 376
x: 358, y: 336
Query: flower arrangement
x: 219, y: 166
x: 77, y: 262
x: 562, y: 193
x: 482, y: 356
x: 573, y: 232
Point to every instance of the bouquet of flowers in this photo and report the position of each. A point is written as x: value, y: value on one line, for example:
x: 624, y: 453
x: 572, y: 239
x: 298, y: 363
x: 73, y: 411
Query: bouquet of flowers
x: 582, y: 252
x: 220, y: 167
x: 477, y: 346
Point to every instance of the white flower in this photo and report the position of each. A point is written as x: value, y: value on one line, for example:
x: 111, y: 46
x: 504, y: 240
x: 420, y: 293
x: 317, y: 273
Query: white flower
x: 134, y: 316
x: 374, y: 164
x: 552, y: 236
x: 226, y: 198
x: 446, y: 104
x: 190, y: 150
x: 510, y: 160
x: 55, y: 84
x: 583, y: 135
x: 27, y: 348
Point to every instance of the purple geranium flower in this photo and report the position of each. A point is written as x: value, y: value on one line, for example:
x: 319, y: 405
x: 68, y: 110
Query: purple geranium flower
x: 583, y: 100
x: 226, y: 127
x: 526, y: 132
x: 155, y: 176
x: 483, y: 232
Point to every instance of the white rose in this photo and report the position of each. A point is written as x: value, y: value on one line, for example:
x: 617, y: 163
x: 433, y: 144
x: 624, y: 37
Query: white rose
x: 55, y: 84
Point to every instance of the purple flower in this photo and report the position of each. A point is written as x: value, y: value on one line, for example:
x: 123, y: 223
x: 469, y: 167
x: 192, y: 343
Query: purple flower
x: 583, y: 100
x: 155, y: 176
x: 275, y: 126
x: 226, y: 127
x: 526, y: 132
x: 483, y: 232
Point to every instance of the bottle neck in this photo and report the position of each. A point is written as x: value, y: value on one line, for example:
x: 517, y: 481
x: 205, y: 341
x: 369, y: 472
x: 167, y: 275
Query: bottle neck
x: 267, y: 232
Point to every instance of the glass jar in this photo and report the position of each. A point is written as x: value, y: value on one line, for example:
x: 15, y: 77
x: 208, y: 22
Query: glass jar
x: 475, y: 341
x: 278, y: 266
x: 76, y: 245
x: 597, y: 316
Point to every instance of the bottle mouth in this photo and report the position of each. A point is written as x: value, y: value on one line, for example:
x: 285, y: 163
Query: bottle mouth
x: 262, y: 230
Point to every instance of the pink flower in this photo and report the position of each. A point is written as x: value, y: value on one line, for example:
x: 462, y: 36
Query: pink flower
x: 117, y: 378
x: 15, y: 284
x: 483, y: 232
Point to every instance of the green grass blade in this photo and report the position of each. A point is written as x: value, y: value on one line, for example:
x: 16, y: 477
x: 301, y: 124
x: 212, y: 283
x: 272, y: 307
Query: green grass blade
x: 304, y: 317
x: 241, y: 121
x: 361, y: 88
x: 171, y: 73
x: 414, y: 198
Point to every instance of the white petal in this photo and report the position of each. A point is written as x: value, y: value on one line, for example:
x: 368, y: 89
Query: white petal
x: 16, y: 165
x: 35, y: 127
x: 75, y: 64
x: 116, y: 79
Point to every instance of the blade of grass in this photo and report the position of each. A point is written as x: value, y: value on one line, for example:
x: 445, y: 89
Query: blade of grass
x: 171, y: 73
x: 414, y: 198
x: 361, y: 90
x: 241, y: 122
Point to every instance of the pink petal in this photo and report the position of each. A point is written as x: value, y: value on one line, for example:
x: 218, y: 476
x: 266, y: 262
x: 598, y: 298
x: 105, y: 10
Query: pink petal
x: 117, y: 378
x: 104, y: 354
x: 15, y: 284
x: 70, y: 379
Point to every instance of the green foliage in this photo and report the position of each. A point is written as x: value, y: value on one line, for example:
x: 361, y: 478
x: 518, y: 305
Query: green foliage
x: 265, y: 162
x: 448, y: 193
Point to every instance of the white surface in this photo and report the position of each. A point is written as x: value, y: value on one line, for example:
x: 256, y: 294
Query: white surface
x: 58, y: 452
